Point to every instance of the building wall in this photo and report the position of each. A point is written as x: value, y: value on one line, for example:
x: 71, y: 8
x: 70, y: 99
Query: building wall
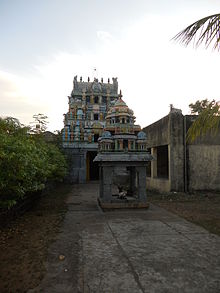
x: 76, y: 159
x: 167, y: 131
x: 176, y: 157
x: 203, y: 161
x: 158, y: 132
x: 204, y: 167
x: 192, y: 166
x: 158, y: 184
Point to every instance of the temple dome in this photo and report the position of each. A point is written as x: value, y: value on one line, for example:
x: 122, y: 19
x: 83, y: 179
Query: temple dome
x: 120, y: 102
x: 106, y: 134
x: 119, y: 108
x: 141, y: 135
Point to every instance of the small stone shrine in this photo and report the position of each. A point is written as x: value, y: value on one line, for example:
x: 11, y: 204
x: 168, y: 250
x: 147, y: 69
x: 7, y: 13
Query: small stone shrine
x: 122, y: 158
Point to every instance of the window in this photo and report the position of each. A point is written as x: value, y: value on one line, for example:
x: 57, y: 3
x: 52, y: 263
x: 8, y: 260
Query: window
x: 87, y: 99
x: 96, y: 100
x: 96, y: 116
x: 125, y: 144
x: 104, y: 100
x: 123, y: 120
x: 162, y: 162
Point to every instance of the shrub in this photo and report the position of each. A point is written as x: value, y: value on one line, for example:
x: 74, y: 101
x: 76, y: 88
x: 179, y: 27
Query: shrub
x: 27, y: 162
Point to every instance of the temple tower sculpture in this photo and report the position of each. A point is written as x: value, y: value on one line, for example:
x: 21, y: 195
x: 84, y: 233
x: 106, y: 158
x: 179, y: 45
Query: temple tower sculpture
x: 84, y: 122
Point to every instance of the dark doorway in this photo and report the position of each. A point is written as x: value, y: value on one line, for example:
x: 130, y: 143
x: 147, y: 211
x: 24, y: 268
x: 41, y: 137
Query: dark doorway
x: 162, y: 162
x: 96, y: 100
x: 96, y: 136
x: 125, y: 144
x: 96, y: 116
x: 92, y: 167
x: 148, y: 171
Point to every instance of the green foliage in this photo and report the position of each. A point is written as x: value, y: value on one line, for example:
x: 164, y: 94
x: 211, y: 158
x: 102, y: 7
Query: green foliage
x: 199, y: 106
x: 208, y: 119
x: 27, y: 162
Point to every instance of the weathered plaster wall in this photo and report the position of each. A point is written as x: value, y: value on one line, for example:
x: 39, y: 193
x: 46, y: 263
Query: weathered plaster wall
x: 158, y: 132
x: 203, y: 161
x: 168, y: 131
x: 176, y: 152
x: 162, y: 185
x: 76, y: 159
x: 203, y: 167
x: 192, y: 165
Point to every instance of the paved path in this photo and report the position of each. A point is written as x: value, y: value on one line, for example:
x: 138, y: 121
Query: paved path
x: 129, y: 251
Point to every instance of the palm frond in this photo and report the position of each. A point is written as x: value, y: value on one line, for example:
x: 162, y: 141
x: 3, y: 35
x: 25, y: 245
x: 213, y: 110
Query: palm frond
x: 207, y: 122
x: 207, y: 29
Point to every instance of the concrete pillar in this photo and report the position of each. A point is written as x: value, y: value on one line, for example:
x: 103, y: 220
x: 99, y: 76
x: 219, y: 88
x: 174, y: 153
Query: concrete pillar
x: 100, y: 182
x: 134, y: 145
x: 154, y: 163
x: 121, y: 144
x: 141, y: 171
x: 107, y: 183
x: 129, y: 145
x: 132, y: 183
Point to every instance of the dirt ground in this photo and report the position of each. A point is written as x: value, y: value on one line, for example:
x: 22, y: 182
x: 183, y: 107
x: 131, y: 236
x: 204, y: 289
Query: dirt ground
x: 200, y: 208
x: 24, y: 242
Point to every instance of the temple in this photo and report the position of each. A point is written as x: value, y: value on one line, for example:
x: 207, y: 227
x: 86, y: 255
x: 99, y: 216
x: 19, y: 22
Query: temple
x: 123, y: 159
x: 84, y: 122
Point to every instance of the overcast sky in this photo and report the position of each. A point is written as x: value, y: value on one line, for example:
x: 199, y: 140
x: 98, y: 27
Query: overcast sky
x: 45, y: 43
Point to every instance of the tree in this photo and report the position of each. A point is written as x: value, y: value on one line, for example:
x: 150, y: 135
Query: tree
x: 207, y: 29
x: 27, y: 162
x: 208, y: 119
x: 199, y: 106
x: 39, y: 124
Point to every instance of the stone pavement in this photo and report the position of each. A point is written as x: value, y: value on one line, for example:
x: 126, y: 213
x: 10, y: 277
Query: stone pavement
x: 129, y: 251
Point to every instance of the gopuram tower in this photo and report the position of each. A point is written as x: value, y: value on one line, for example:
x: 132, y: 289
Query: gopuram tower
x: 84, y: 123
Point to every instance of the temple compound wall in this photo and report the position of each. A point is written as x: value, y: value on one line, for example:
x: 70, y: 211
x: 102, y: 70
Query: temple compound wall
x: 180, y: 165
x: 84, y: 123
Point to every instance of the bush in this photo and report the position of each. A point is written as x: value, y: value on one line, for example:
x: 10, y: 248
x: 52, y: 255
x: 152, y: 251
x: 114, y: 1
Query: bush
x: 27, y: 162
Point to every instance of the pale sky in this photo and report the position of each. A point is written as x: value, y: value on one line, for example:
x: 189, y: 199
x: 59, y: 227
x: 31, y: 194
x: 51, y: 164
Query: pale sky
x: 45, y: 43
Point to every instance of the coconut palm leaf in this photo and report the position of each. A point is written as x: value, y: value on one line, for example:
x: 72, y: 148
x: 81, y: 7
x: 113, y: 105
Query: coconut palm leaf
x: 208, y: 29
x: 207, y: 122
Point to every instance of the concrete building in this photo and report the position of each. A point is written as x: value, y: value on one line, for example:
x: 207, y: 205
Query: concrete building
x: 84, y: 123
x: 180, y: 165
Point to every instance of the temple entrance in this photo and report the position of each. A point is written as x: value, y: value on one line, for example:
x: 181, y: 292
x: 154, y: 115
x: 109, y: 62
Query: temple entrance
x: 92, y: 168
